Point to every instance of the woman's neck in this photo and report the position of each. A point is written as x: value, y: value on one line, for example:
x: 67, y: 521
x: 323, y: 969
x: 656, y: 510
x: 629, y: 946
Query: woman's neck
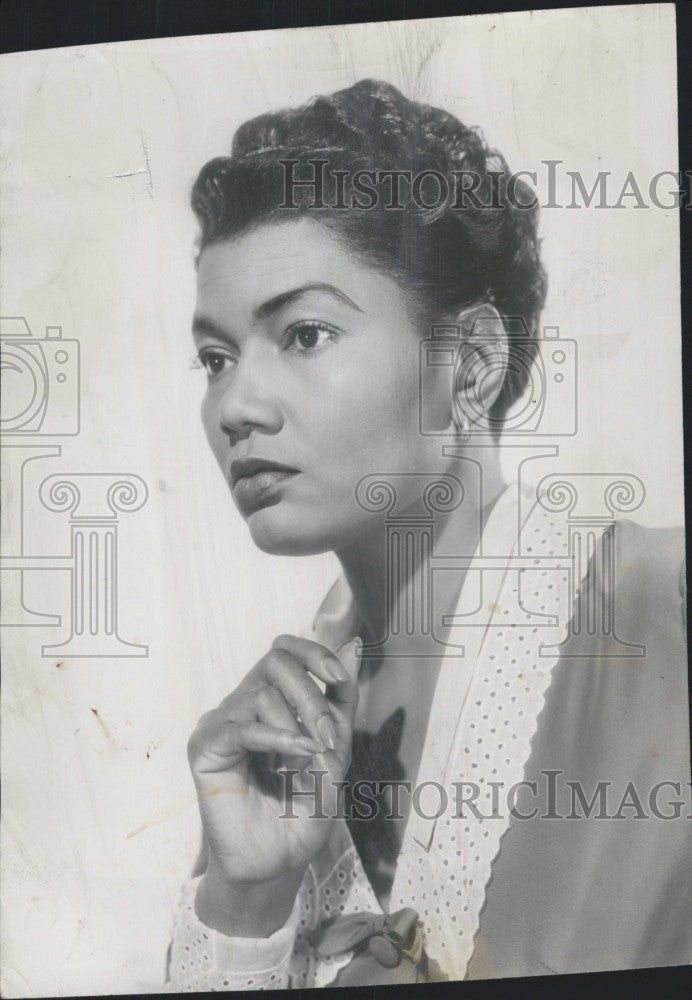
x: 376, y: 579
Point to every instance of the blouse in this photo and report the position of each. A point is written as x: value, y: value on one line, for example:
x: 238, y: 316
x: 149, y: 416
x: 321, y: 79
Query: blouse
x: 558, y: 742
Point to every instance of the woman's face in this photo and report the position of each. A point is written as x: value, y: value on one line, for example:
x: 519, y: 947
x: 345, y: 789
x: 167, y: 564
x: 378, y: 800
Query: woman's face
x: 312, y: 365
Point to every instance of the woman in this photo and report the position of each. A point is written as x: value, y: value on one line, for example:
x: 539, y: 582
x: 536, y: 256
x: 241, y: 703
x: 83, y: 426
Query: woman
x: 334, y: 239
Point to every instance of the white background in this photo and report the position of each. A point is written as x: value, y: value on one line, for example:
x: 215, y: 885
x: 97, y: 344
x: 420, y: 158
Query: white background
x: 99, y: 814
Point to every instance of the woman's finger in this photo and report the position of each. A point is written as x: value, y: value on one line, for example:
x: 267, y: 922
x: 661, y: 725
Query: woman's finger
x: 317, y: 659
x: 343, y: 666
x: 344, y: 697
x: 284, y: 671
x: 270, y: 707
x: 322, y: 779
x: 215, y: 751
x: 262, y: 703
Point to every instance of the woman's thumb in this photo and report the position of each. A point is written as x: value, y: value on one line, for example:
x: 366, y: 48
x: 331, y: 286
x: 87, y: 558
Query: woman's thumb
x: 349, y: 655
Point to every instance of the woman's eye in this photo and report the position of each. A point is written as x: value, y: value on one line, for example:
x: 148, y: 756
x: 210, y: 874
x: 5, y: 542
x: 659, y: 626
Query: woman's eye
x: 309, y: 336
x: 214, y: 362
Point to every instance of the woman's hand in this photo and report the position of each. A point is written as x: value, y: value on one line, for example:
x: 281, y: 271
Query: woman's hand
x: 259, y: 840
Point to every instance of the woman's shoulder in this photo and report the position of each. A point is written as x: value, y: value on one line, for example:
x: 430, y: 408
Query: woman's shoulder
x: 624, y: 663
x: 649, y: 572
x: 642, y: 549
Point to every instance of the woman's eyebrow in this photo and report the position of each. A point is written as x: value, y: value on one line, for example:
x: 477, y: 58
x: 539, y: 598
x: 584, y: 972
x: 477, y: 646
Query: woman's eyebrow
x: 203, y: 326
x: 285, y: 298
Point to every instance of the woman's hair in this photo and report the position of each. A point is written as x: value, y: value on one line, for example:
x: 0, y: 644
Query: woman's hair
x: 476, y: 245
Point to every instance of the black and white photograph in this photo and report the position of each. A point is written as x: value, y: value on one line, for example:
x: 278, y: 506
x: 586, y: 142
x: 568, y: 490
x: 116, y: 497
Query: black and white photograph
x: 343, y: 516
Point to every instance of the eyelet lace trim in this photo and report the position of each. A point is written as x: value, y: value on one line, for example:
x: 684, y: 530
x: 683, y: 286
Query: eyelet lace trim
x: 286, y: 959
x: 447, y: 884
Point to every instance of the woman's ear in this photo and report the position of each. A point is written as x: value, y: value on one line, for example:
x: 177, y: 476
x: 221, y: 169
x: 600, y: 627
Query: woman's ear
x: 481, y: 366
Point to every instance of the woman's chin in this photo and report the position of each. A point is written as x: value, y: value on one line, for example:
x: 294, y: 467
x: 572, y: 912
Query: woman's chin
x: 278, y: 533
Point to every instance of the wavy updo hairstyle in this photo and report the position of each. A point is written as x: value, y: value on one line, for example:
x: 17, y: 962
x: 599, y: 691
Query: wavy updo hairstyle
x: 445, y: 258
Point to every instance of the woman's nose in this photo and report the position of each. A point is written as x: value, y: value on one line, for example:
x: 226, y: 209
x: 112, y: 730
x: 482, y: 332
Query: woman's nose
x: 249, y: 403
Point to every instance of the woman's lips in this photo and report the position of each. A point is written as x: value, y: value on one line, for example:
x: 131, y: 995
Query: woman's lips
x: 262, y: 489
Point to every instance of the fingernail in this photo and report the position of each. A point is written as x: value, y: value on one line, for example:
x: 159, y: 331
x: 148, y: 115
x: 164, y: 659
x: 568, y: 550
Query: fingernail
x: 353, y: 648
x: 327, y: 732
x: 335, y: 670
x: 309, y: 746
